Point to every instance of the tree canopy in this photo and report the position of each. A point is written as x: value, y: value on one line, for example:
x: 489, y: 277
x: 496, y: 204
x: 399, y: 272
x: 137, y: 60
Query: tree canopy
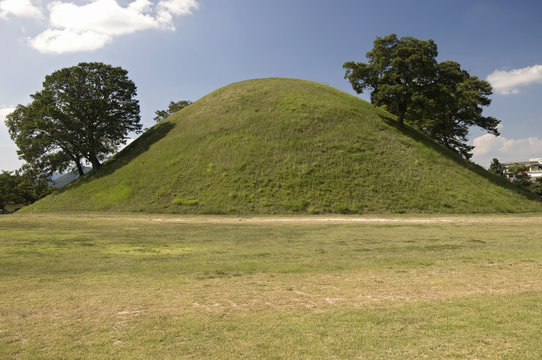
x: 8, y: 185
x: 453, y: 103
x: 397, y: 72
x: 440, y: 99
x: 83, y: 113
x: 496, y: 167
x: 172, y: 108
x: 21, y: 188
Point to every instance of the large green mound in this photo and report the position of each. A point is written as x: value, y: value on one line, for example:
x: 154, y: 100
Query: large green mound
x: 286, y: 146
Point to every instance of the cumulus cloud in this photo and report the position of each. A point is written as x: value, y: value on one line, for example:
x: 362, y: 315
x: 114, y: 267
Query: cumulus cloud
x: 4, y: 111
x: 509, y: 82
x: 8, y: 150
x: 89, y: 27
x: 63, y: 41
x: 4, y: 134
x: 166, y: 9
x: 73, y: 28
x: 19, y: 8
x: 489, y: 146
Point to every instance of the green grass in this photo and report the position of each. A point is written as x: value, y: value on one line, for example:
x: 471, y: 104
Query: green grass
x: 282, y: 146
x: 101, y: 286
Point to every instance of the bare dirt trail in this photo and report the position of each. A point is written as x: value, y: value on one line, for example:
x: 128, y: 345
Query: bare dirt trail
x: 409, y: 219
x: 303, y: 219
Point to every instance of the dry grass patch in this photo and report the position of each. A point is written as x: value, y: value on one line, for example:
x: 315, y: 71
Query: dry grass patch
x: 129, y: 287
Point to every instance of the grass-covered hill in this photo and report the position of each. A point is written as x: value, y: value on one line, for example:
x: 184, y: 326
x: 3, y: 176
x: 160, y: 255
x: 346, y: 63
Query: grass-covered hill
x: 286, y: 146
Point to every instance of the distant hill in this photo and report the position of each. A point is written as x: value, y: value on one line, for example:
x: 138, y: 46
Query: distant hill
x: 286, y: 146
x: 60, y: 180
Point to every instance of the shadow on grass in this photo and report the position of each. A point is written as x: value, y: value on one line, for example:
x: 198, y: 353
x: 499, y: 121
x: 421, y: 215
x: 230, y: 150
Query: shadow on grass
x: 444, y: 151
x: 130, y: 152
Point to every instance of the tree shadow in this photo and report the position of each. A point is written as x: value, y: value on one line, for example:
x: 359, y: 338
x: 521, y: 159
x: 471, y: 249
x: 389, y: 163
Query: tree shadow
x: 452, y: 155
x: 130, y: 152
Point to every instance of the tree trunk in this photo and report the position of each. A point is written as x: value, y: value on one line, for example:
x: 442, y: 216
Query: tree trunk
x: 79, y: 168
x: 402, y: 109
x: 401, y: 120
x: 96, y: 164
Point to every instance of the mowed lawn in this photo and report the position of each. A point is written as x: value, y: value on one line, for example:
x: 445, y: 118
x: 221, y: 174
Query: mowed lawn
x: 158, y: 287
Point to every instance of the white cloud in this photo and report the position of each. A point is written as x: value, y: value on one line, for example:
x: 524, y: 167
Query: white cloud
x: 489, y: 146
x: 166, y: 9
x: 73, y: 28
x: 4, y: 111
x: 102, y: 16
x: 509, y: 82
x: 63, y: 41
x: 89, y: 27
x: 4, y: 135
x: 19, y: 8
x: 8, y: 150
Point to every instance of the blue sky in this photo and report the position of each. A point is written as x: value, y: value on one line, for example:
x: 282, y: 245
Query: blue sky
x: 184, y: 49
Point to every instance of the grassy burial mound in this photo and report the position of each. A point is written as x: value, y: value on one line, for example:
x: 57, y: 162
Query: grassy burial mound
x: 286, y: 146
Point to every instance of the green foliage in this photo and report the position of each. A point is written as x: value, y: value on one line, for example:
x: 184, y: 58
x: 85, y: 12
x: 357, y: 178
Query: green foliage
x: 397, y: 72
x: 454, y: 104
x: 8, y: 190
x: 84, y: 112
x: 496, y: 167
x: 172, y: 108
x: 31, y: 186
x: 536, y: 187
x: 21, y: 188
x: 287, y: 146
x: 521, y: 178
x: 441, y: 99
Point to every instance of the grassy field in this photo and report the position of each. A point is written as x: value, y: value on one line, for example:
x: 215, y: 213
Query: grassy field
x: 141, y: 287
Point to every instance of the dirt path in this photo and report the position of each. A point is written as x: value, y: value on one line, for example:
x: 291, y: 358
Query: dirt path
x: 303, y: 219
x: 341, y: 219
x: 294, y: 220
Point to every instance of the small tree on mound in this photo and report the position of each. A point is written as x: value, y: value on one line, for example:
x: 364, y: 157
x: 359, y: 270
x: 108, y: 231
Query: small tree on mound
x: 172, y: 108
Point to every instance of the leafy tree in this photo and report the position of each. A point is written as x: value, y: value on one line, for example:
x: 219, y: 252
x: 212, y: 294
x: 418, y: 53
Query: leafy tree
x: 454, y: 102
x: 172, y: 108
x: 46, y: 146
x: 31, y: 186
x: 21, y: 188
x: 536, y: 186
x: 8, y: 193
x: 496, y: 167
x: 440, y: 99
x: 521, y: 177
x: 398, y: 72
x: 83, y: 113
